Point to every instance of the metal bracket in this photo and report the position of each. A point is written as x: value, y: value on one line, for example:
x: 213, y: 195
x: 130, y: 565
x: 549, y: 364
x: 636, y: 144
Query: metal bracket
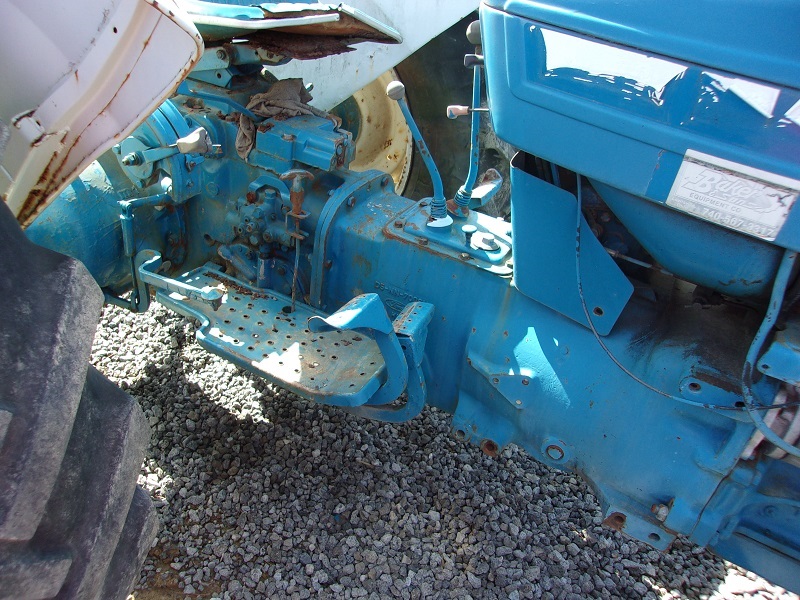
x: 148, y: 275
x: 366, y: 314
x: 411, y: 328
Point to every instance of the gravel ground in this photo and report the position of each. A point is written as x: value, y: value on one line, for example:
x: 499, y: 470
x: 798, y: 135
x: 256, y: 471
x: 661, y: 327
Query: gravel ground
x: 265, y: 495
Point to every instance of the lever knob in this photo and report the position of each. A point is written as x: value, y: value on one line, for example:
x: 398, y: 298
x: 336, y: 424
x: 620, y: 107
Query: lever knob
x: 454, y: 111
x: 396, y: 90
x: 474, y: 33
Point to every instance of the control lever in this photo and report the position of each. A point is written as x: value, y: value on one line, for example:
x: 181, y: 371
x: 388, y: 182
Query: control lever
x: 439, y: 217
x: 196, y: 142
x: 297, y: 195
x: 459, y: 206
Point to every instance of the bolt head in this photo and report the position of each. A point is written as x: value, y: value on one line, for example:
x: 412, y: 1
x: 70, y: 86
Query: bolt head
x: 661, y: 511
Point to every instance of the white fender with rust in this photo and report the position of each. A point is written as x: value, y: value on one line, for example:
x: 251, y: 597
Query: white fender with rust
x: 336, y: 78
x: 76, y: 77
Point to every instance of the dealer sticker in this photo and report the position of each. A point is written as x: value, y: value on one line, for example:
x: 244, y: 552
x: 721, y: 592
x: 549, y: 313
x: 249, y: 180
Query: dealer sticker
x: 732, y: 195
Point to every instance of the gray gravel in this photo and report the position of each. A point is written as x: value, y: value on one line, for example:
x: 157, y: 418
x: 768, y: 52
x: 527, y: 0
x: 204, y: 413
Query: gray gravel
x: 262, y: 494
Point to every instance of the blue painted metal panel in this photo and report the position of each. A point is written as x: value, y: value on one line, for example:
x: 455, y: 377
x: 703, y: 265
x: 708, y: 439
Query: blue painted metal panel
x: 745, y: 36
x: 594, y: 119
x: 546, y: 271
x: 782, y: 358
x: 714, y: 257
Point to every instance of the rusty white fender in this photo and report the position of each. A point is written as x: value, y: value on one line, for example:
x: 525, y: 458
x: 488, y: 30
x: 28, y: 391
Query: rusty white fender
x: 336, y: 78
x: 77, y: 77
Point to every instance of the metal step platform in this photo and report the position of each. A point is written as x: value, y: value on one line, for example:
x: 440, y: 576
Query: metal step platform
x: 257, y: 330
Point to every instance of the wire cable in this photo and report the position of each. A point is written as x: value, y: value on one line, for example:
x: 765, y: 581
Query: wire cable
x: 748, y: 406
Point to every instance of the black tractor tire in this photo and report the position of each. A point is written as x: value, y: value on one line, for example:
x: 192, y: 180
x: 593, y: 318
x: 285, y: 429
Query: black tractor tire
x: 73, y: 523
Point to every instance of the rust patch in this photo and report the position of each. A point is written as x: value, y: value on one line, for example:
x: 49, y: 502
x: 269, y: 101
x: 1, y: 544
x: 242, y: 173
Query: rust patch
x: 37, y: 195
x: 301, y: 47
x: 616, y: 521
x: 721, y: 383
x: 229, y: 283
x: 489, y: 448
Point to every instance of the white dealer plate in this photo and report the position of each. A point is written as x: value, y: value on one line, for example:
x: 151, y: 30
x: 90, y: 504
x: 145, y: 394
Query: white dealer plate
x: 732, y: 195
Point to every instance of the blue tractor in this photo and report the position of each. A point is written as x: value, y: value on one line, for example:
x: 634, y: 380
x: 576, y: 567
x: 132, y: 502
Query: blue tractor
x: 636, y: 321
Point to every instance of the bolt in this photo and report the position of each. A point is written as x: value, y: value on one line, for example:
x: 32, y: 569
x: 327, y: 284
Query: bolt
x: 555, y: 452
x: 221, y: 54
x: 398, y: 224
x: 351, y: 201
x: 251, y: 197
x: 661, y: 511
x: 469, y: 231
x: 525, y: 382
x: 464, y: 256
x: 490, y: 242
x: 385, y: 180
x: 132, y: 160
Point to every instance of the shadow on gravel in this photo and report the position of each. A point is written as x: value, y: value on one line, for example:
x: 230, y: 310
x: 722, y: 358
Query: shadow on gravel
x: 262, y: 494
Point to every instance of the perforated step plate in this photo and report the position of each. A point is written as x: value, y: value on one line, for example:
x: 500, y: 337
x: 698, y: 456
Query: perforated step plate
x: 256, y: 330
